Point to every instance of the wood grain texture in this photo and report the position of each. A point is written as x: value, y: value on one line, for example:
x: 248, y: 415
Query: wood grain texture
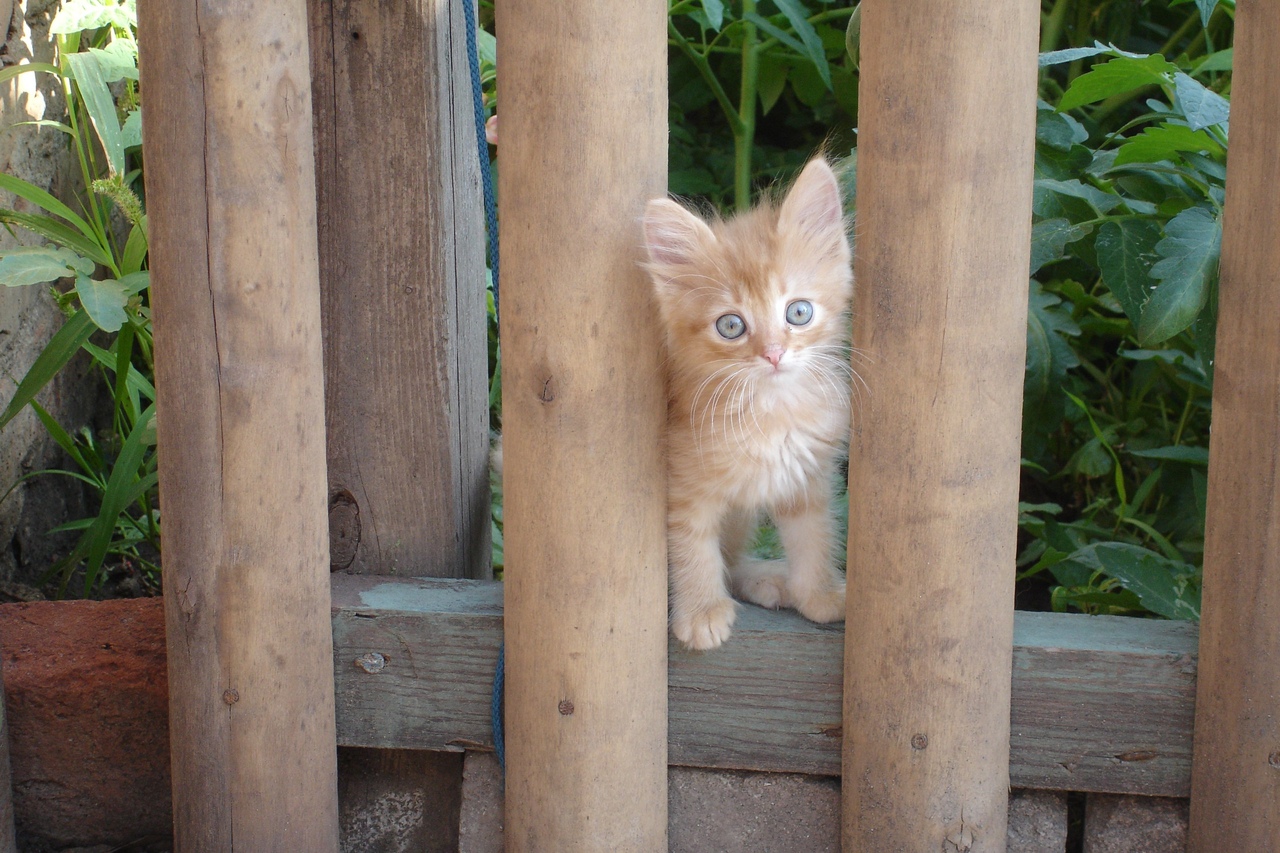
x: 584, y: 146
x: 1235, y: 788
x: 1099, y: 703
x: 8, y: 842
x: 945, y: 149
x: 236, y: 300
x: 402, y: 279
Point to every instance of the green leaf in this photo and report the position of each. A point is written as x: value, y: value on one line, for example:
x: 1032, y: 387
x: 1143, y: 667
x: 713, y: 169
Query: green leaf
x: 1049, y: 356
x: 37, y: 196
x: 487, y: 46
x: 131, y: 130
x: 1206, y: 8
x: 121, y: 491
x: 1162, y: 143
x: 1058, y: 130
x: 55, y: 355
x: 63, y: 235
x: 78, y: 15
x: 1126, y: 250
x: 1122, y: 74
x: 135, y: 250
x: 1164, y: 586
x: 88, y: 74
x: 118, y: 60
x: 1176, y: 453
x: 1222, y: 60
x: 772, y: 80
x: 1097, y: 199
x: 1201, y: 106
x: 1187, y: 266
x: 38, y: 264
x: 137, y: 383
x: 1049, y: 239
x: 104, y: 300
x: 714, y: 10
x: 7, y: 74
x: 798, y: 17
x: 1071, y: 54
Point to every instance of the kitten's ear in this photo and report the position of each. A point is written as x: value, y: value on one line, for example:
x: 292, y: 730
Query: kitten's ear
x: 673, y: 235
x: 813, y: 205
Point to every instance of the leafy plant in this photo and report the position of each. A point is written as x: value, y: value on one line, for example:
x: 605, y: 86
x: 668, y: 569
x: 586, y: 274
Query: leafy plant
x: 106, y: 284
x: 1125, y: 242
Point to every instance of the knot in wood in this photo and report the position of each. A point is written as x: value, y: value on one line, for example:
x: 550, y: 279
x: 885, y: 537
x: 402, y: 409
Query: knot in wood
x: 372, y: 662
x: 344, y: 530
x: 919, y: 741
x: 566, y: 708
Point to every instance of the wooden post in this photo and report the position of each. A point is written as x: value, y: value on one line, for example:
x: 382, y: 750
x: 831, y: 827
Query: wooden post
x: 236, y: 298
x: 8, y: 842
x: 1235, y: 776
x: 402, y: 284
x: 944, y: 215
x: 584, y: 142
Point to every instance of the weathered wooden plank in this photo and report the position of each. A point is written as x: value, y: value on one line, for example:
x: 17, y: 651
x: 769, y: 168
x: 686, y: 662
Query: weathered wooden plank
x: 1236, y: 784
x: 402, y: 278
x: 236, y: 299
x: 1099, y: 703
x: 944, y: 191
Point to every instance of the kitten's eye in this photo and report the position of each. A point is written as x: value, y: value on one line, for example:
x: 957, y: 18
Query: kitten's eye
x: 730, y: 326
x: 800, y: 312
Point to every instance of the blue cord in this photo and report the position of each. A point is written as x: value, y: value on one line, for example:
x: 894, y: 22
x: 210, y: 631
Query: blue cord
x: 491, y: 223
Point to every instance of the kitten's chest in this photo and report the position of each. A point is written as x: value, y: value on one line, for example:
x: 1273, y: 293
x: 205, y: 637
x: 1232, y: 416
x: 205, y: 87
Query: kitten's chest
x: 781, y: 463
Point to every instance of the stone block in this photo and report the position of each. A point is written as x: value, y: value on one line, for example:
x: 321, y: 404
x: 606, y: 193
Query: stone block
x: 398, y: 800
x: 1037, y: 822
x: 1123, y: 824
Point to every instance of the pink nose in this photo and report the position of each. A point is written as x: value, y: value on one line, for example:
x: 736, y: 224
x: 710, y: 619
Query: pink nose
x: 773, y: 353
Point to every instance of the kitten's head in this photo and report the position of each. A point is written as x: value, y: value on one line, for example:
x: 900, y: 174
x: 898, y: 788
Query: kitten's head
x: 763, y: 296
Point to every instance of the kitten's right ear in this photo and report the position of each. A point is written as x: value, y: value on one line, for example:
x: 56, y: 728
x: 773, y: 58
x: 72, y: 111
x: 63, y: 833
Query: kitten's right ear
x: 673, y: 235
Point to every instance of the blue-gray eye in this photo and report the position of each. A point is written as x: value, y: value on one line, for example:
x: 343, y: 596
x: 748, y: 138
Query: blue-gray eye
x: 730, y: 326
x: 800, y: 312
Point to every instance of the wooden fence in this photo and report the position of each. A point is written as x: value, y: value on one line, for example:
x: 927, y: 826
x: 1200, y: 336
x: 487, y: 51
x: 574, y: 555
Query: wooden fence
x: 329, y: 307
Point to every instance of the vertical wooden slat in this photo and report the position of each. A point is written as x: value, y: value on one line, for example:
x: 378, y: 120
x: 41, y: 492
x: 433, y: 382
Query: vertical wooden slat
x: 8, y: 842
x: 402, y: 278
x: 944, y: 212
x: 236, y: 298
x: 1235, y: 776
x: 584, y: 143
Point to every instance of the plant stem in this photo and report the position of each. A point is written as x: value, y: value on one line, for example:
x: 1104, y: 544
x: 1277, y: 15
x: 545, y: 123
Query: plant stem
x: 1051, y: 29
x: 708, y: 76
x: 744, y: 134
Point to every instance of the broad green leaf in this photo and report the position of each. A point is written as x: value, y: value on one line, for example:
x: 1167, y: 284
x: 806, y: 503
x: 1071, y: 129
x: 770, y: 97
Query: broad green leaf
x: 1222, y: 60
x: 55, y: 355
x: 38, y: 264
x: 131, y: 130
x: 772, y: 79
x: 1164, y: 586
x: 135, y: 250
x: 1176, y: 453
x: 1049, y: 356
x: 1100, y: 201
x: 1058, y: 130
x: 1126, y: 250
x: 87, y: 71
x: 1206, y: 8
x: 1071, y: 54
x: 118, y: 60
x: 7, y: 74
x: 1201, y: 106
x: 1188, y: 262
x: 136, y: 282
x: 39, y: 197
x: 1049, y: 239
x: 1122, y: 74
x: 78, y: 15
x: 487, y: 46
x: 104, y: 300
x: 798, y: 17
x: 58, y: 232
x: 1162, y: 143
x: 853, y: 36
x: 714, y: 10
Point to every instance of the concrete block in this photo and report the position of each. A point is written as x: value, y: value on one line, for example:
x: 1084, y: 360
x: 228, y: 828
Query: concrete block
x: 398, y: 800
x: 480, y: 824
x: 1037, y: 821
x: 1123, y: 824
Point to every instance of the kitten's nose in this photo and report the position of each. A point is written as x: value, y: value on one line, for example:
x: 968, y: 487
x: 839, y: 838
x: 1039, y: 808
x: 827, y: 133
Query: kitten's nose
x: 774, y: 353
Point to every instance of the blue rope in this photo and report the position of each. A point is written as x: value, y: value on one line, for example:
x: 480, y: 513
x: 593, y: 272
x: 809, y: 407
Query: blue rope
x: 491, y: 223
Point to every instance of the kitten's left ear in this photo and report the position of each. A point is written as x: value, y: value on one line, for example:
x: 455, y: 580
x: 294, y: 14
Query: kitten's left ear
x: 813, y: 205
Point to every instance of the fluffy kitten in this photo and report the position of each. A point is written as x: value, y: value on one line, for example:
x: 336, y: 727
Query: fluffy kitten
x: 756, y: 313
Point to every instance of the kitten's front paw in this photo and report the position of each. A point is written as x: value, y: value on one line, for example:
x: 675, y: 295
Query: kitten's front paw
x: 823, y: 605
x: 705, y: 627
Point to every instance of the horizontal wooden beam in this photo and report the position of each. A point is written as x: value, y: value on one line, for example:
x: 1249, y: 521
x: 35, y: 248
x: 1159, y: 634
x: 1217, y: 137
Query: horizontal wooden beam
x: 1099, y: 703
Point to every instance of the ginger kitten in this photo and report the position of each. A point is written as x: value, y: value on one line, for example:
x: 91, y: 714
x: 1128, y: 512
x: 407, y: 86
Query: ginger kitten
x: 756, y: 313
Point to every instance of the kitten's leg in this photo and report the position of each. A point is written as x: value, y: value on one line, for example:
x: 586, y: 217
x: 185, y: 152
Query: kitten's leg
x: 762, y: 582
x: 701, y: 610
x: 808, y: 533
